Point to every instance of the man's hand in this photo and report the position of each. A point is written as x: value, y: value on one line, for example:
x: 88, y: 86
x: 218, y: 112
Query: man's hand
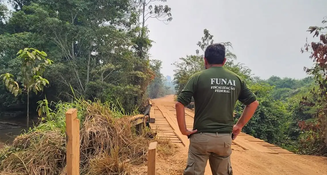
x: 235, y: 131
x: 188, y: 132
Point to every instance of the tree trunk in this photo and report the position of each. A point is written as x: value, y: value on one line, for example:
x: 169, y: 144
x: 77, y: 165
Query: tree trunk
x: 102, y: 76
x: 88, y: 73
x: 28, y: 110
x: 143, y: 17
x: 142, y: 34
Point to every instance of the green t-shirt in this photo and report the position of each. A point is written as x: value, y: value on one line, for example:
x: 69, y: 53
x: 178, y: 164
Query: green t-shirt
x: 215, y: 91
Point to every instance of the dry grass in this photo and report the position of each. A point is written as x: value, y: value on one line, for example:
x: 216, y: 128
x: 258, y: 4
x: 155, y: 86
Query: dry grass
x: 7, y: 173
x: 35, y: 153
x: 108, y: 146
x: 110, y: 141
x: 107, y: 164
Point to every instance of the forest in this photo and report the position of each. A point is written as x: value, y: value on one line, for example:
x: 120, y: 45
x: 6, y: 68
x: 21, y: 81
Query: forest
x: 54, y: 53
x: 94, y: 50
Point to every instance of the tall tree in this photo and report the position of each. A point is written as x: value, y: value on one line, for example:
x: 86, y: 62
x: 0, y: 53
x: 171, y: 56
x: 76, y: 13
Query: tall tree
x: 150, y: 9
x: 146, y: 9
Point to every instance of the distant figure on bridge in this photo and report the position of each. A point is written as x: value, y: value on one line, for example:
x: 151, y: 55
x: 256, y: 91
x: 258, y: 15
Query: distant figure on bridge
x: 215, y: 91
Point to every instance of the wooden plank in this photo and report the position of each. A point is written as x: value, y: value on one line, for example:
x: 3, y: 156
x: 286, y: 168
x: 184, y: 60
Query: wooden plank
x: 136, y: 120
x: 139, y: 121
x: 171, y: 119
x: 152, y: 113
x: 168, y: 133
x: 152, y: 158
x: 73, y: 142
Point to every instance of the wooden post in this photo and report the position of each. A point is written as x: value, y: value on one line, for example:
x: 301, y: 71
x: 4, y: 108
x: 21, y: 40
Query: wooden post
x: 73, y: 142
x: 152, y: 158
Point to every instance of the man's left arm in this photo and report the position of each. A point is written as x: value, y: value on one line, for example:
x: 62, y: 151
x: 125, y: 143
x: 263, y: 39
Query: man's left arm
x: 184, y: 99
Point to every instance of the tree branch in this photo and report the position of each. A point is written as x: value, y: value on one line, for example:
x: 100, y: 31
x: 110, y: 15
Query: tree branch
x: 108, y: 74
x: 78, y: 79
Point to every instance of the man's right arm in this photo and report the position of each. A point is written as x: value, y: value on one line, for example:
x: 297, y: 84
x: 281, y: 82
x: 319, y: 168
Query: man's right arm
x: 249, y: 99
x: 184, y: 99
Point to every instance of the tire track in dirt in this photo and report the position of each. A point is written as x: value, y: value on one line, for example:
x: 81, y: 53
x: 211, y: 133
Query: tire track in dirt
x: 250, y: 155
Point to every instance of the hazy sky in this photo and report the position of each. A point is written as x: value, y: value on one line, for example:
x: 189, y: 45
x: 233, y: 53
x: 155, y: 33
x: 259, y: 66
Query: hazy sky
x: 267, y: 35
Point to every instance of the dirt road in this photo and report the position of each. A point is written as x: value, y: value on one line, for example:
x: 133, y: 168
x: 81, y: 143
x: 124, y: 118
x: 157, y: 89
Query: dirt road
x: 250, y: 156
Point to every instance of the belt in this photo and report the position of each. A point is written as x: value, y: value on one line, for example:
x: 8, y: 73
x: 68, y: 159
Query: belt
x: 209, y: 132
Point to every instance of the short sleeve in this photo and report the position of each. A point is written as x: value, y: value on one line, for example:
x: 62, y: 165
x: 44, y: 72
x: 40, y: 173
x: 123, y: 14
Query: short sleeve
x: 188, y: 91
x: 246, y: 96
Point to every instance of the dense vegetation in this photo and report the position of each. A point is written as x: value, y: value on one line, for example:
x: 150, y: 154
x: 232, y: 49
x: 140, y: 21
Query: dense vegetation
x: 99, y: 50
x: 292, y: 113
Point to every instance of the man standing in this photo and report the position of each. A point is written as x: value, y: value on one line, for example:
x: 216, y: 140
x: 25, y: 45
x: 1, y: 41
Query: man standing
x: 215, y: 91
